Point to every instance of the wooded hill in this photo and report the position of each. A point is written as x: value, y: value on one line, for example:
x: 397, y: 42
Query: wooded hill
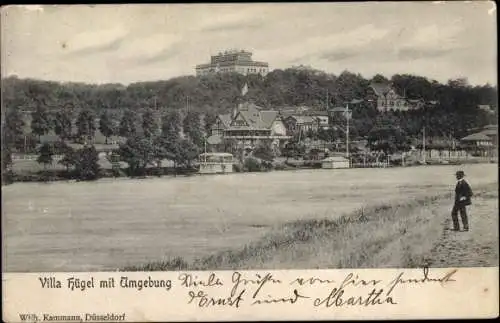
x: 455, y: 113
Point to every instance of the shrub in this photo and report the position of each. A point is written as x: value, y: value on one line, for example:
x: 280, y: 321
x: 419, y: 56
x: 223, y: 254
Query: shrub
x: 237, y: 168
x: 251, y: 165
x: 87, y: 167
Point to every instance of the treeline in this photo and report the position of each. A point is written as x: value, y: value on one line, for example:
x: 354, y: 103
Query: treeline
x: 218, y: 93
x: 146, y: 140
x: 456, y: 108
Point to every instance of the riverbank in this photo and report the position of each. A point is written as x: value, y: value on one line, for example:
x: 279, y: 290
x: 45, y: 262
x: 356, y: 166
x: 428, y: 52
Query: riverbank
x: 413, y: 233
x: 58, y: 174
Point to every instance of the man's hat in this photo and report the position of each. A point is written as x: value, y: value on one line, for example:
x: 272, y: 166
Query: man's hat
x: 460, y: 173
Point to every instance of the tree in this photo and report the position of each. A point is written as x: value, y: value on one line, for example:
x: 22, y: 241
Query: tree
x: 149, y: 124
x: 323, y: 134
x: 386, y: 137
x: 171, y: 126
x: 63, y: 125
x: 161, y: 152
x: 69, y: 157
x: 106, y: 125
x: 138, y: 151
x: 85, y: 125
x: 209, y: 121
x: 12, y: 130
x: 294, y: 149
x: 127, y: 124
x: 192, y: 127
x: 264, y: 152
x: 40, y: 121
x: 379, y: 78
x: 87, y: 166
x: 186, y: 152
x: 46, y: 152
x: 6, y: 164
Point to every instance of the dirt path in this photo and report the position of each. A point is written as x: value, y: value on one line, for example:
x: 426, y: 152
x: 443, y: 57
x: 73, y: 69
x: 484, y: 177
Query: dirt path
x: 479, y: 246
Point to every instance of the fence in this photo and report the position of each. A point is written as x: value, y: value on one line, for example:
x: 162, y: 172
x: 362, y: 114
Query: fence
x: 370, y: 165
x: 16, y: 157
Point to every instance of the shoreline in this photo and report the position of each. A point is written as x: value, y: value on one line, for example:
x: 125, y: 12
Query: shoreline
x: 195, y: 174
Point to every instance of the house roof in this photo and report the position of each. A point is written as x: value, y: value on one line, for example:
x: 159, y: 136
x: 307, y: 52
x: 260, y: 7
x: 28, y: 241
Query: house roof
x: 225, y: 119
x: 337, y: 109
x: 316, y: 113
x: 303, y: 119
x: 255, y: 117
x: 287, y: 112
x: 268, y: 117
x: 49, y: 138
x: 335, y: 159
x: 355, y: 101
x: 493, y: 127
x: 477, y: 137
x: 217, y: 154
x: 296, y: 110
x: 380, y: 88
x: 98, y: 147
x: 490, y: 132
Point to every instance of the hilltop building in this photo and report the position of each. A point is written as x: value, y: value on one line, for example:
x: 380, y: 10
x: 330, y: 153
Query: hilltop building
x: 236, y: 61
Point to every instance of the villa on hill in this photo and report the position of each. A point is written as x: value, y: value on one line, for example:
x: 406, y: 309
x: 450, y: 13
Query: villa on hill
x: 386, y: 98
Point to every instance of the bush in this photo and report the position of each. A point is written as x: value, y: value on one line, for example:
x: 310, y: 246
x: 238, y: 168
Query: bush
x: 251, y: 165
x: 316, y: 164
x: 7, y: 177
x: 237, y: 168
x: 266, y: 166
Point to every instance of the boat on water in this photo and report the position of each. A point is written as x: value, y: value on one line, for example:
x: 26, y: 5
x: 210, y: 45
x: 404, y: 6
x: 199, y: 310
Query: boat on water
x: 215, y: 163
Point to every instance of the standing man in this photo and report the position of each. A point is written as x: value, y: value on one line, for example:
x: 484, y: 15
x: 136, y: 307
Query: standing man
x: 463, y: 194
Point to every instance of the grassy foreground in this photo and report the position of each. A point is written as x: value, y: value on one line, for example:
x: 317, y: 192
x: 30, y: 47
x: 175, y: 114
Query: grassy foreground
x: 390, y: 235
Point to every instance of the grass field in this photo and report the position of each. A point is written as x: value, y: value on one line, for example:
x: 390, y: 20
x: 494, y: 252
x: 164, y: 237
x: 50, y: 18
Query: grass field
x: 113, y: 224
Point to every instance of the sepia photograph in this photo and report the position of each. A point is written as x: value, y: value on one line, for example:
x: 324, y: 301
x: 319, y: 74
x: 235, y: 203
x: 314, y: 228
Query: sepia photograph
x: 269, y: 136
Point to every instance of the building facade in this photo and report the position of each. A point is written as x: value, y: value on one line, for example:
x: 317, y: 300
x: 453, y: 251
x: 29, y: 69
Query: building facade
x: 301, y: 123
x: 237, y: 61
x: 386, y: 98
x: 483, y: 140
x: 248, y: 126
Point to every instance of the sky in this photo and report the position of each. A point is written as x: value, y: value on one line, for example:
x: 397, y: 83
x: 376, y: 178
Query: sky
x: 133, y: 43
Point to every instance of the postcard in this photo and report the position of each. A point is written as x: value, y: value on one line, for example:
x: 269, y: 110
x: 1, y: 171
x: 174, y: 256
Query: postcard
x: 244, y: 162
